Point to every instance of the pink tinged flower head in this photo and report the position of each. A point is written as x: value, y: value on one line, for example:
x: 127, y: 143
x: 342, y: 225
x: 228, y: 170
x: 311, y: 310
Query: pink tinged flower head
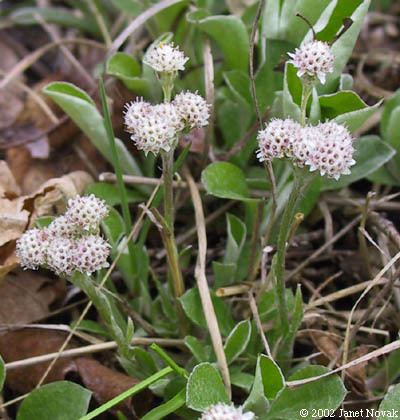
x: 61, y: 256
x: 156, y: 129
x: 192, y: 109
x: 222, y: 411
x: 331, y: 149
x: 313, y: 59
x: 91, y: 254
x: 165, y: 58
x: 277, y: 139
x: 32, y: 248
x: 61, y: 226
x: 86, y: 212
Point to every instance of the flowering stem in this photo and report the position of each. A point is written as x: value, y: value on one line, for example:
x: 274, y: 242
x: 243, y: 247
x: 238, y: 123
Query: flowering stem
x: 301, y: 183
x: 305, y: 95
x: 168, y: 164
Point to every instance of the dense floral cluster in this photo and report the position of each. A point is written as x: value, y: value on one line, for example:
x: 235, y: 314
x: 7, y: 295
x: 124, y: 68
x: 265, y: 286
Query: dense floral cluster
x: 71, y: 242
x: 327, y: 147
x: 155, y: 127
x: 313, y: 60
x: 222, y: 411
x: 165, y: 58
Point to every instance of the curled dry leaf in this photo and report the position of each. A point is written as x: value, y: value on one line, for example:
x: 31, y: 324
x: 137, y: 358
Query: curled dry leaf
x: 104, y: 382
x: 19, y: 213
x: 25, y: 297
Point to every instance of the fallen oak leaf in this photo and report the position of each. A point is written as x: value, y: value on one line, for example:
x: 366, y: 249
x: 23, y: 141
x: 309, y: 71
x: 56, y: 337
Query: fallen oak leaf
x: 25, y: 297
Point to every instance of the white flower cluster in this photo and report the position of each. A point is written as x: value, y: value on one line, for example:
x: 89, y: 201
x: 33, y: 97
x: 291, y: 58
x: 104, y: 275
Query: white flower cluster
x: 313, y: 60
x: 165, y: 58
x: 71, y: 242
x: 156, y: 127
x: 222, y: 411
x: 327, y: 147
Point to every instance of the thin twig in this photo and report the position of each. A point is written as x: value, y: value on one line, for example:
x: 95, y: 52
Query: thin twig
x: 93, y: 348
x: 138, y: 22
x: 256, y: 317
x: 324, y: 247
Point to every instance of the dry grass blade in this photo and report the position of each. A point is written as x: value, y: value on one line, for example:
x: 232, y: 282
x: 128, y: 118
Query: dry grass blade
x: 200, y: 274
x: 93, y: 348
x: 138, y: 22
x: 363, y: 359
x: 256, y: 316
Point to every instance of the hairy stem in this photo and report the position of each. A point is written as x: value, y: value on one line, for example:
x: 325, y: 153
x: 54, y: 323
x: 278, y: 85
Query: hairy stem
x: 305, y: 96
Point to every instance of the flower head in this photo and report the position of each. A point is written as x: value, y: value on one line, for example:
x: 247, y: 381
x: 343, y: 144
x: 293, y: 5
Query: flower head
x: 61, y: 226
x: 134, y: 112
x: 86, y: 212
x: 154, y: 127
x: 277, y: 139
x: 314, y: 60
x: 32, y: 248
x: 330, y: 149
x: 165, y: 58
x: 222, y: 411
x: 91, y: 254
x: 192, y: 109
x: 61, y: 256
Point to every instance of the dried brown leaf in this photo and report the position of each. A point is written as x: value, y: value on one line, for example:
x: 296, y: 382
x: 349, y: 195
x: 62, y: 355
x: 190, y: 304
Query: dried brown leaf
x: 25, y: 297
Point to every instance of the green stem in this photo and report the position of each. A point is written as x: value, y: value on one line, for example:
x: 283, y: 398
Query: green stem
x: 280, y: 256
x: 305, y: 95
x: 168, y: 168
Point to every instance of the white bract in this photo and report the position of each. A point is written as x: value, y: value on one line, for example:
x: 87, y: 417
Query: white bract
x: 153, y: 127
x: 165, y: 58
x: 331, y: 149
x: 314, y: 60
x: 192, y: 109
x: 32, y: 247
x: 326, y: 148
x: 86, y: 212
x: 70, y: 243
x: 91, y: 254
x: 61, y: 254
x: 222, y: 411
x: 277, y: 139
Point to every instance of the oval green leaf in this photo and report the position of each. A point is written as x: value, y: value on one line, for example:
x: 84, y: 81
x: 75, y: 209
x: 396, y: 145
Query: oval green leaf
x: 56, y: 401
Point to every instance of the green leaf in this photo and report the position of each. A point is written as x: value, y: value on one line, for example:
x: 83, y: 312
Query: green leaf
x: 390, y: 105
x: 113, y: 226
x: 237, y: 341
x: 340, y: 103
x: 205, y: 388
x: 224, y: 29
x: 290, y: 83
x: 326, y: 393
x: 225, y: 180
x: 239, y: 83
x: 393, y: 129
x: 236, y: 239
x: 125, y: 68
x: 57, y: 15
x: 197, y: 348
x: 272, y: 377
x: 44, y: 221
x: 2, y: 373
x: 371, y: 153
x: 390, y: 404
x: 110, y: 193
x: 82, y: 110
x: 355, y: 119
x: 132, y: 7
x: 193, y: 308
x: 169, y: 407
x: 224, y: 274
x: 50, y: 402
x: 343, y: 47
x: 257, y: 402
